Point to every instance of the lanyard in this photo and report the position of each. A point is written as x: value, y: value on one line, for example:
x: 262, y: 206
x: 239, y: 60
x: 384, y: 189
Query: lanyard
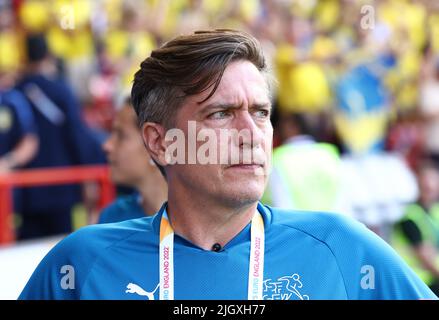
x: 256, y: 262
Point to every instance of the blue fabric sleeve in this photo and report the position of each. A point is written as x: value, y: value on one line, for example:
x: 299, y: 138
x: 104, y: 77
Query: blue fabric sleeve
x: 23, y: 111
x: 71, y: 259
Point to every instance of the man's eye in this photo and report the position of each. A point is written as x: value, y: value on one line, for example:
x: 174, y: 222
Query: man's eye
x: 218, y: 115
x: 262, y: 113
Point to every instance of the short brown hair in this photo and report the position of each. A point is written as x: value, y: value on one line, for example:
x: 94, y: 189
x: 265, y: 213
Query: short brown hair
x: 188, y: 65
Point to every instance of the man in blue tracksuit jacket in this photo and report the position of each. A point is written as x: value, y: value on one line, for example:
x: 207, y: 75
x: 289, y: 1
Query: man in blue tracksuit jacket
x: 213, y: 239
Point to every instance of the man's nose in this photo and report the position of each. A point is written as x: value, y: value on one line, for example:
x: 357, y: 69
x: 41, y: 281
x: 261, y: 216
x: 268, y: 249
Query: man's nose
x: 107, y: 146
x: 246, y: 122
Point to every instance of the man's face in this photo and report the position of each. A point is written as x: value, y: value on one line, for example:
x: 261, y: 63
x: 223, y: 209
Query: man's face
x: 241, y: 103
x: 128, y: 159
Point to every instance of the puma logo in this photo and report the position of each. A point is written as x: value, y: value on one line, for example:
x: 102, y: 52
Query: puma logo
x: 134, y: 288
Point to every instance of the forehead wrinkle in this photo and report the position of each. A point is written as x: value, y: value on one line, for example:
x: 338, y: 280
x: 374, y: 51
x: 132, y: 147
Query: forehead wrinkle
x: 237, y: 88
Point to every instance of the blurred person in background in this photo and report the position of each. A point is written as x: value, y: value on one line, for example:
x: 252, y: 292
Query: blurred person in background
x: 305, y: 172
x: 132, y: 166
x: 303, y: 85
x: 429, y: 108
x: 64, y: 141
x: 127, y: 40
x: 18, y: 130
x: 416, y: 236
x: 406, y: 136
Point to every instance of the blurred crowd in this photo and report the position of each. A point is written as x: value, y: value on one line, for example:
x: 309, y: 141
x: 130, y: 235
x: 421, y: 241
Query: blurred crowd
x: 356, y: 105
x: 366, y: 68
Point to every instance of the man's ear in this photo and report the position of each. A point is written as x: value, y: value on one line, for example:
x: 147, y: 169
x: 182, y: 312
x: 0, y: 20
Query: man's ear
x: 153, y: 135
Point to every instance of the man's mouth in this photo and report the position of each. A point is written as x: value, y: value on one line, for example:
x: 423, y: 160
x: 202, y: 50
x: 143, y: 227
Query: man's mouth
x: 246, y: 166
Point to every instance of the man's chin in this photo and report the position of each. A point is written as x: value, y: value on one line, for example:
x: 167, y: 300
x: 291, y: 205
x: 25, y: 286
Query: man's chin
x: 243, y: 196
x: 119, y: 179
